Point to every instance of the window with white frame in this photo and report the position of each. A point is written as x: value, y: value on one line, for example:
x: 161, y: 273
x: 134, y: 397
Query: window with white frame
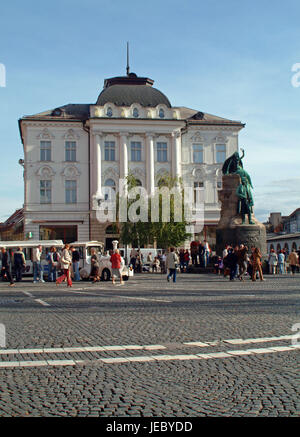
x: 198, y: 153
x: 71, y: 191
x: 70, y: 148
x: 220, y: 153
x: 136, y: 151
x: 45, y: 151
x: 45, y: 191
x: 198, y: 186
x: 162, y: 152
x: 109, y: 151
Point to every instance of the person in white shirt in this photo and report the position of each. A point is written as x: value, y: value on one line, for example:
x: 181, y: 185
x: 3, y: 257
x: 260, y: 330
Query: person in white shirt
x: 273, y: 261
x: 171, y: 264
x: 37, y: 266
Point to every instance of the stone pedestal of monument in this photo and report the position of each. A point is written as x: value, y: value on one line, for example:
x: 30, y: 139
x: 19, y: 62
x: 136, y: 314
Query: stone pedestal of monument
x: 230, y: 229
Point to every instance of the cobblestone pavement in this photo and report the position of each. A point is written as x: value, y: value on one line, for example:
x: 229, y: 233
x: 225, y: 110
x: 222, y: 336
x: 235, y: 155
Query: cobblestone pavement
x: 201, y: 347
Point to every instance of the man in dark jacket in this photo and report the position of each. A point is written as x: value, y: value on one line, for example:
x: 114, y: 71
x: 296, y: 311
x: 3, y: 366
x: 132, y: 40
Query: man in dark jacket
x: 5, y: 271
x: 19, y: 264
x: 232, y: 262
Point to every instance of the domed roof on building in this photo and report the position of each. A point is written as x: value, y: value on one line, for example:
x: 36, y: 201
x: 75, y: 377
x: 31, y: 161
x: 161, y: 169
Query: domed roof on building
x: 126, y: 90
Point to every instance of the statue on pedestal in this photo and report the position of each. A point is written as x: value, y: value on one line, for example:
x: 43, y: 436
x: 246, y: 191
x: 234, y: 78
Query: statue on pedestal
x: 234, y: 165
x: 237, y: 202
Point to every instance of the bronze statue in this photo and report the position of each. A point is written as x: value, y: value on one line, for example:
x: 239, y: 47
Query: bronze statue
x: 234, y: 165
x: 231, y: 164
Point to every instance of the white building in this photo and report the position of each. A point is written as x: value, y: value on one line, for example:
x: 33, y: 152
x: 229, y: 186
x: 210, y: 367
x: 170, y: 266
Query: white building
x: 72, y: 151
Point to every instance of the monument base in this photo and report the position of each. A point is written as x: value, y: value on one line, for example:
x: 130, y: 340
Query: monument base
x: 249, y: 235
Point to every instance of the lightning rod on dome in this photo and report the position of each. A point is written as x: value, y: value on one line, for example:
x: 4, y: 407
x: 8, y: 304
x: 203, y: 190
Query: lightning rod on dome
x: 127, y: 68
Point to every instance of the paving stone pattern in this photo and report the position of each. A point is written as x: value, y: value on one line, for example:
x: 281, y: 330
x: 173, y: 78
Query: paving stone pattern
x: 149, y: 311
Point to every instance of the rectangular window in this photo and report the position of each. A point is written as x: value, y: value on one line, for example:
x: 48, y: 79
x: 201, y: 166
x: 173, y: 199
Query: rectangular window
x: 136, y: 151
x: 109, y: 151
x: 70, y: 151
x: 45, y: 148
x: 197, y: 153
x: 162, y: 152
x: 71, y: 192
x: 220, y: 153
x: 45, y: 191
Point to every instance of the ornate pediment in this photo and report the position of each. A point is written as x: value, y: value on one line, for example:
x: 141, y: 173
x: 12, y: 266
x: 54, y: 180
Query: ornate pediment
x: 198, y: 137
x: 45, y: 172
x: 71, y: 135
x: 45, y: 134
x: 70, y: 172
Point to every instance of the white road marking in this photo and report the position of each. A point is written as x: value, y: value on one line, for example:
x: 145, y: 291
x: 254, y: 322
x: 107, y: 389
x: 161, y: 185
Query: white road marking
x: 142, y: 359
x: 45, y: 304
x: 258, y: 340
x: 128, y: 359
x: 40, y: 301
x: 144, y: 298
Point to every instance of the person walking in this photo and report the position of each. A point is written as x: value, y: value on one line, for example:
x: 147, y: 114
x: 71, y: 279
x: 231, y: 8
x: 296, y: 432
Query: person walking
x: 232, y: 263
x: 66, y: 262
x: 273, y: 261
x: 5, y: 269
x: 181, y: 260
x: 207, y: 252
x: 116, y: 260
x: 95, y: 268
x: 171, y: 264
x: 37, y: 265
x: 53, y: 264
x: 186, y: 260
x: 293, y: 261
x: 19, y: 264
x: 281, y: 263
x: 242, y: 261
x: 162, y: 261
x: 75, y: 263
x: 256, y: 264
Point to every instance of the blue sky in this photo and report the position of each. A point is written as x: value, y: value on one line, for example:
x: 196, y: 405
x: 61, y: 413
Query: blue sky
x: 231, y: 59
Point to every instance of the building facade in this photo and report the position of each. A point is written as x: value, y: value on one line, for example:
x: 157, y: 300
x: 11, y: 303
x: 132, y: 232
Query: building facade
x: 73, y: 151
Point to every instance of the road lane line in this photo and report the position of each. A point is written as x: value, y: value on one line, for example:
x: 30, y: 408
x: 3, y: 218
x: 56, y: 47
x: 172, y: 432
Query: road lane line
x: 145, y: 359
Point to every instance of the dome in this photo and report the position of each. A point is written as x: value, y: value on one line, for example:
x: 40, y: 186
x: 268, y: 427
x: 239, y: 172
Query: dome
x: 126, y: 90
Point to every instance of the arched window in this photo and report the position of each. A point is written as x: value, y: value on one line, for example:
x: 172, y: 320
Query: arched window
x: 110, y: 183
x: 109, y: 112
x: 278, y: 247
x: 135, y: 112
x: 286, y: 246
x: 138, y: 183
x: 271, y: 247
x: 294, y: 246
x: 161, y: 113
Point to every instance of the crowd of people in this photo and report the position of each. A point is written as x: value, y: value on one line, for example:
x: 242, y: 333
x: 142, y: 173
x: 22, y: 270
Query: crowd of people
x: 236, y: 262
x: 63, y: 265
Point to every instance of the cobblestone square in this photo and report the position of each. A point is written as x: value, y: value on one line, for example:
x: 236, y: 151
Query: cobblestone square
x: 203, y: 346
